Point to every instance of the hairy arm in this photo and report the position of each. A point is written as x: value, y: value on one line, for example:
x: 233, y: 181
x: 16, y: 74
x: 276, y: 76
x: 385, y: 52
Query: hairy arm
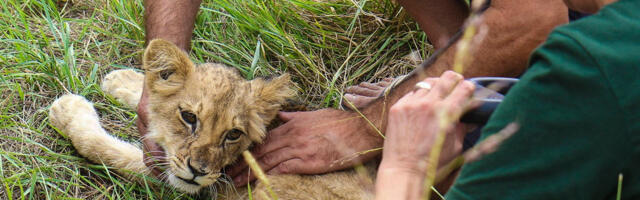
x: 515, y: 28
x: 171, y: 20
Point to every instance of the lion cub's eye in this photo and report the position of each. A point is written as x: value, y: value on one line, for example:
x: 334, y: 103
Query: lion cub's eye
x: 233, y: 135
x: 188, y: 117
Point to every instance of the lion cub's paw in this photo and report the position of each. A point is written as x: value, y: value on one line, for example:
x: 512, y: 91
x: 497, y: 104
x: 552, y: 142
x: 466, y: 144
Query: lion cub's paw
x: 72, y: 110
x: 125, y: 85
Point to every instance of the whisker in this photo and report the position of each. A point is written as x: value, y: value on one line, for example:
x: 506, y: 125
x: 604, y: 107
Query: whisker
x: 224, y: 181
x: 154, y: 151
x: 164, y: 176
x: 155, y: 158
x: 213, y: 191
x: 159, y: 164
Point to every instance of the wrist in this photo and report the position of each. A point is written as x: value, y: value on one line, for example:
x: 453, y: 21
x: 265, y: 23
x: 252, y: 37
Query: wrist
x: 403, y: 166
x: 375, y: 116
x: 366, y: 137
x: 397, y: 171
x: 398, y: 183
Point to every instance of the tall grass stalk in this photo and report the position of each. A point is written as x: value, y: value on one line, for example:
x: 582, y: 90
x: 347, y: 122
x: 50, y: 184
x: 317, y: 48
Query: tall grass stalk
x: 444, y: 117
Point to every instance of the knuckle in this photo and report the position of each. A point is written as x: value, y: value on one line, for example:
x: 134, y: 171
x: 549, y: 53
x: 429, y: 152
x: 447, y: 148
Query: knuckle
x: 301, y: 144
x: 268, y: 159
x: 396, y: 108
x: 452, y: 75
x: 426, y: 106
x: 308, y: 156
x: 355, y: 89
x: 406, y: 107
x: 284, y: 168
x: 447, y: 74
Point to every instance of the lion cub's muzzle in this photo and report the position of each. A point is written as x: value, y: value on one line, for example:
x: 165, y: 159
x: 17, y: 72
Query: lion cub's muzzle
x: 196, y: 176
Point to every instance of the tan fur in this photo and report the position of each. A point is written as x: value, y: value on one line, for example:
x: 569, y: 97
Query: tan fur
x: 76, y: 117
x: 221, y: 100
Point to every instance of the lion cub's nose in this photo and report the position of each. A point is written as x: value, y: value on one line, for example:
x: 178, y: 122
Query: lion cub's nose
x: 195, y: 170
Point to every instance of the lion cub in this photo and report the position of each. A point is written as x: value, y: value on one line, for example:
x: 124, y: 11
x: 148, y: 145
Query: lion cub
x: 203, y: 116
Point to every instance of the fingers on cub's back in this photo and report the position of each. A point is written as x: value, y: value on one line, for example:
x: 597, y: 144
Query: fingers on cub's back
x: 362, y: 91
x: 373, y: 86
x: 355, y: 102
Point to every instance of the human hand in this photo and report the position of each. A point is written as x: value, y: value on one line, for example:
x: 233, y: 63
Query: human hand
x: 358, y: 96
x: 153, y: 153
x: 415, y: 122
x: 312, y: 143
x: 143, y: 111
x: 418, y: 117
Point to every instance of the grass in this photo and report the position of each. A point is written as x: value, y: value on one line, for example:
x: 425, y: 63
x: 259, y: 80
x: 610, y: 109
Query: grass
x: 52, y: 47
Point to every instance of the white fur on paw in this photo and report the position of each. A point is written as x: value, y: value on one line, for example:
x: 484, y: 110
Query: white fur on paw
x: 70, y: 110
x: 125, y: 85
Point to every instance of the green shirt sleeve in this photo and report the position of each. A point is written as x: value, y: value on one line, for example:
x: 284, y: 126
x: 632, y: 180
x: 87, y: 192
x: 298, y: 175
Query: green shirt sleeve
x: 571, y: 133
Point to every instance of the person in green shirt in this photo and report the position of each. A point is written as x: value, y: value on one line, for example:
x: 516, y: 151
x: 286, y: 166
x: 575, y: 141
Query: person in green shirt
x: 578, y: 111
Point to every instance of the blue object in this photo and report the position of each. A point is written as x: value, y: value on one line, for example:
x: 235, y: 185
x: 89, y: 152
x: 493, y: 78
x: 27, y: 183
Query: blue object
x: 489, y: 92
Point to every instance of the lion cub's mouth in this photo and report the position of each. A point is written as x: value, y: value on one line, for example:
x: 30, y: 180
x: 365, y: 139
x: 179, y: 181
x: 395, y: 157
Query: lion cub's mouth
x: 155, y: 160
x: 189, y: 181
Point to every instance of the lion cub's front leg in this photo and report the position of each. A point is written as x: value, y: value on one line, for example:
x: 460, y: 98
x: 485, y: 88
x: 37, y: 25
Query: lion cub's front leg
x: 75, y: 116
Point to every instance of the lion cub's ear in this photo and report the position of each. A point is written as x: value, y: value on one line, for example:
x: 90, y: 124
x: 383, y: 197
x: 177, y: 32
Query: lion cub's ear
x: 269, y: 96
x: 166, y: 67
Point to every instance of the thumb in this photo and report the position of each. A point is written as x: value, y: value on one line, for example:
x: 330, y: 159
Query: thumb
x: 286, y: 116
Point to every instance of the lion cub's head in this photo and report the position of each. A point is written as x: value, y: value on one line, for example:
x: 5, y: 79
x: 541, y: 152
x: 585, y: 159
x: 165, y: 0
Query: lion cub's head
x: 205, y: 115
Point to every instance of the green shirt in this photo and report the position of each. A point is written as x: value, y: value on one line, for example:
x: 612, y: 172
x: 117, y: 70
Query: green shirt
x: 578, y: 107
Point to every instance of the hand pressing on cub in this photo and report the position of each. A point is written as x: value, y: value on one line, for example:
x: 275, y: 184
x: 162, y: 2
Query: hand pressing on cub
x: 153, y: 153
x: 313, y: 142
x: 415, y: 122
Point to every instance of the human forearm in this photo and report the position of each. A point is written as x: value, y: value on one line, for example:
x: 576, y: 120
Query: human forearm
x: 171, y: 20
x: 394, y: 183
x: 504, y: 51
x: 440, y: 19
